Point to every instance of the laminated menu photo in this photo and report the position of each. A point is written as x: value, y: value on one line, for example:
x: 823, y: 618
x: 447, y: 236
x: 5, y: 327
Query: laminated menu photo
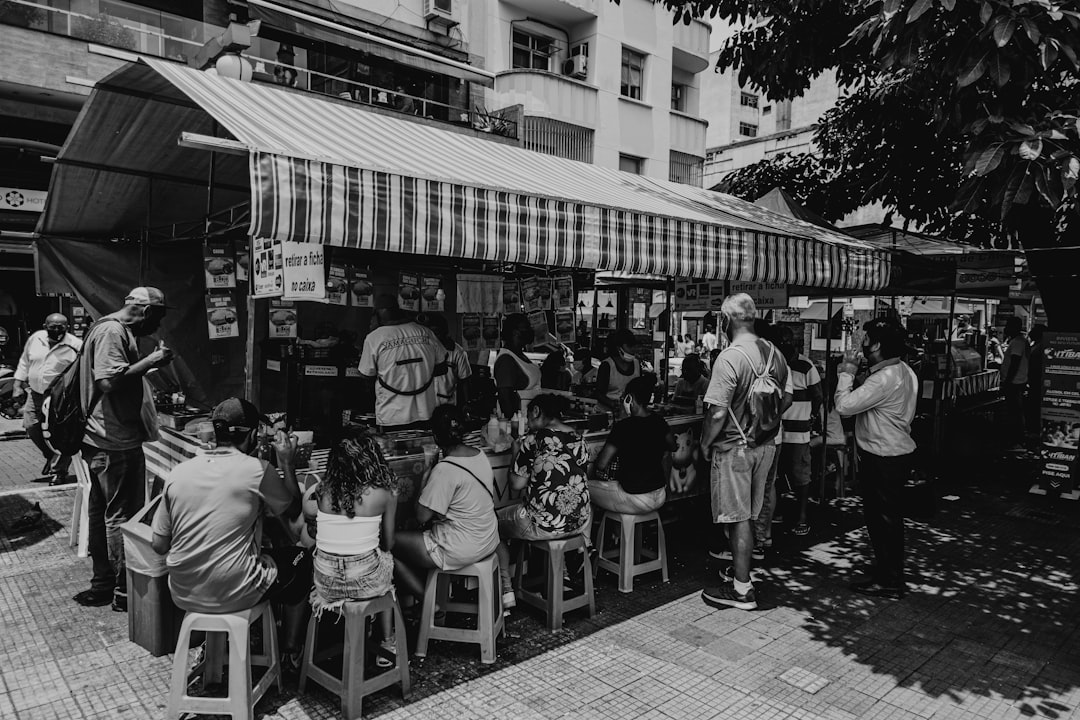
x: 432, y: 294
x: 511, y: 297
x: 337, y: 285
x: 490, y: 332
x: 471, y: 332
x: 409, y: 292
x: 361, y: 288
x: 564, y: 293
x: 282, y: 319
x: 221, y: 318
x: 219, y: 267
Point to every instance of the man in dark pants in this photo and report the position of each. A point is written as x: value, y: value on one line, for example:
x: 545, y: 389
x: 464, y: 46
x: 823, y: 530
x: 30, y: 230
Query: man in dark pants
x: 883, y: 407
x: 48, y: 353
x: 1014, y: 380
x: 112, y: 395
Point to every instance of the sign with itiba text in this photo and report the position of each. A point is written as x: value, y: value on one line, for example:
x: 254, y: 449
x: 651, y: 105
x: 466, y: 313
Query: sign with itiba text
x: 304, y: 271
x: 1060, y: 431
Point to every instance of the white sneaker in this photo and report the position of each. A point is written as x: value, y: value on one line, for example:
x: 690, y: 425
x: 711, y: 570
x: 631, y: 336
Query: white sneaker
x: 509, y: 600
x: 721, y: 555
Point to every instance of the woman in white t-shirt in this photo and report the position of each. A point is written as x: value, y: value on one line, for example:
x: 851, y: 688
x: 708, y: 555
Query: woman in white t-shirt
x: 456, y: 508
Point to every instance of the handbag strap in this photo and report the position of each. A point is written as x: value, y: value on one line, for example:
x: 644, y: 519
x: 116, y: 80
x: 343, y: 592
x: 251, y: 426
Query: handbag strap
x: 474, y: 476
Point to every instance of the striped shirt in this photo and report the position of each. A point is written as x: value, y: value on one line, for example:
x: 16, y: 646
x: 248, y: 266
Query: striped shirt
x: 806, y: 383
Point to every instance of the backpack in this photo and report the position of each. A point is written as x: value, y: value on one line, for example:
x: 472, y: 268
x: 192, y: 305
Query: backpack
x: 64, y: 420
x: 765, y: 401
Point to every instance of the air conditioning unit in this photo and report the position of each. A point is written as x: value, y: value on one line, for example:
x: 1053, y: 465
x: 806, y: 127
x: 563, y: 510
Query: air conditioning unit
x: 576, y: 66
x: 441, y: 9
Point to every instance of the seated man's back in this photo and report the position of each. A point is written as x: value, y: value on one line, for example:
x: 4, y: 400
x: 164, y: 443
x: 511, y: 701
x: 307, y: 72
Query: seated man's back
x: 212, y: 508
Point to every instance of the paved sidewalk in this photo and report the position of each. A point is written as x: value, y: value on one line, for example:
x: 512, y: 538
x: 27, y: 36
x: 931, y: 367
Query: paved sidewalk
x: 990, y: 630
x: 20, y: 465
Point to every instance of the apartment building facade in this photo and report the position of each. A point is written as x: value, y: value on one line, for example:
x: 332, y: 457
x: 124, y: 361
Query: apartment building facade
x: 746, y: 127
x: 618, y: 85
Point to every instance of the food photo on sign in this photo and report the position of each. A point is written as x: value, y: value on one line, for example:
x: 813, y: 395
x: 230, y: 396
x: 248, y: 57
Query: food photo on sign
x: 221, y: 318
x: 490, y: 332
x: 361, y: 288
x: 409, y: 292
x: 511, y: 296
x: 472, y: 331
x: 282, y: 319
x: 432, y: 294
x: 564, y: 293
x: 219, y: 268
x: 337, y: 285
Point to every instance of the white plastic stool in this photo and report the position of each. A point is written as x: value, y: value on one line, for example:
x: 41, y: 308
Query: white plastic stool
x: 235, y: 627
x: 488, y: 609
x: 631, y: 559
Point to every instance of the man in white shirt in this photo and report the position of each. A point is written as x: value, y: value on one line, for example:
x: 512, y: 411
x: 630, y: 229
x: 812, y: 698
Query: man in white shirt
x: 403, y: 358
x: 47, y: 354
x: 883, y: 407
x: 1014, y: 379
x: 709, y: 341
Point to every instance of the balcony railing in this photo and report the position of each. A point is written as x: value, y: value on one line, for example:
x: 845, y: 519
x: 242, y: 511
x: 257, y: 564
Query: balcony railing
x: 688, y: 134
x: 302, y: 78
x: 112, y: 22
x: 548, y: 94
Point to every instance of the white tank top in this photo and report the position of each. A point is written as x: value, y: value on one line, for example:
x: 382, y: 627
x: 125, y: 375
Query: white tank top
x: 617, y: 382
x: 342, y: 535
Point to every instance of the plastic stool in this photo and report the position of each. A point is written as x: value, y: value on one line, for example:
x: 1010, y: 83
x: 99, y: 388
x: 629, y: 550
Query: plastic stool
x: 630, y: 559
x: 556, y: 603
x: 240, y: 701
x: 488, y: 610
x: 353, y: 685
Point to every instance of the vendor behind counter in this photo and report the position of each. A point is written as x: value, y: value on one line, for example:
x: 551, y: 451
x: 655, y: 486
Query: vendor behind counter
x: 403, y: 358
x: 514, y: 371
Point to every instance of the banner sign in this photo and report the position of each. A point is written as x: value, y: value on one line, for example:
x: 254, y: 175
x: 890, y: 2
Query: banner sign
x: 699, y: 295
x: 221, y: 318
x: 22, y: 200
x: 766, y: 295
x: 303, y: 271
x: 1060, y: 431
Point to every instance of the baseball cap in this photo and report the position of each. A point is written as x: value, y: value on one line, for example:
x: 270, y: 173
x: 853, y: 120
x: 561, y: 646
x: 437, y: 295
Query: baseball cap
x: 237, y: 414
x: 146, y: 296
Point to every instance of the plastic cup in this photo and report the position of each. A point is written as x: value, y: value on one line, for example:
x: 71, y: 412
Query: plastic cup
x: 431, y: 455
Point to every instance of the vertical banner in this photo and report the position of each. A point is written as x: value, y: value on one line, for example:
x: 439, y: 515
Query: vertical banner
x: 1060, y: 431
x: 304, y: 271
x: 221, y: 318
x: 266, y: 279
x: 471, y: 331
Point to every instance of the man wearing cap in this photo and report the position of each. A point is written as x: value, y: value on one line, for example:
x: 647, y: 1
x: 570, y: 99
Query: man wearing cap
x: 47, y: 354
x: 209, y: 525
x: 401, y: 356
x: 112, y: 385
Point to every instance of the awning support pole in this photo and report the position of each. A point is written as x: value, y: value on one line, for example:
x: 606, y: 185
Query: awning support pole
x: 595, y: 315
x: 827, y: 382
x: 669, y: 291
x: 210, y: 188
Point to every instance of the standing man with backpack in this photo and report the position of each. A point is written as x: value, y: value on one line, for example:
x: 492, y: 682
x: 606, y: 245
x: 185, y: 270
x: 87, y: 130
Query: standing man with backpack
x: 47, y: 354
x: 883, y: 407
x: 744, y: 404
x: 111, y: 377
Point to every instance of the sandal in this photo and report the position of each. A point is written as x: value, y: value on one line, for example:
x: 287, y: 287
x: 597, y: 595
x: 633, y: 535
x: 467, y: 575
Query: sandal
x: 802, y: 529
x: 386, y: 657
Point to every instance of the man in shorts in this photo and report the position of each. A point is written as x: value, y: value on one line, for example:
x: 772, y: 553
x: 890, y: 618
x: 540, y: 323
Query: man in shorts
x: 209, y: 525
x: 739, y: 465
x: 806, y: 405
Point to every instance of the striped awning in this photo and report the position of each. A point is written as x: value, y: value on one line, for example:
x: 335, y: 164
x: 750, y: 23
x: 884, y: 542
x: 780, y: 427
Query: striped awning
x: 334, y: 173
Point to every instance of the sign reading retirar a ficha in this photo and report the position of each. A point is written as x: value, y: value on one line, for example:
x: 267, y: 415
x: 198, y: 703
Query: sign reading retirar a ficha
x: 303, y: 271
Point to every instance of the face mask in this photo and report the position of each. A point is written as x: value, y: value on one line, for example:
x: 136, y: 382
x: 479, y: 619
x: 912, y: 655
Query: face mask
x: 55, y: 334
x: 866, y: 351
x: 626, y: 404
x: 625, y: 355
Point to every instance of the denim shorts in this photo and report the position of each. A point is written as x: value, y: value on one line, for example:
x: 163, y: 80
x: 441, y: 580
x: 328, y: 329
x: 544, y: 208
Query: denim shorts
x: 739, y: 480
x: 353, y: 577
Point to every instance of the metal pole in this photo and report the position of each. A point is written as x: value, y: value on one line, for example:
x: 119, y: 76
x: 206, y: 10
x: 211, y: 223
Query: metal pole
x: 595, y: 315
x: 669, y: 291
x: 827, y: 389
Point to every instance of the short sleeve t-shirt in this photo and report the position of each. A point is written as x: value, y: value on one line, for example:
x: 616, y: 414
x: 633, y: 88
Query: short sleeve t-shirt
x: 805, y: 381
x: 471, y: 531
x: 116, y: 423
x: 446, y: 386
x: 729, y: 386
x: 403, y: 357
x: 641, y: 443
x: 557, y: 496
x: 212, y: 510
x: 1016, y: 353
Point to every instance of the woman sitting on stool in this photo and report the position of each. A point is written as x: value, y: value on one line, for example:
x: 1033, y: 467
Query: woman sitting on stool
x: 351, y: 515
x: 456, y: 508
x: 636, y: 460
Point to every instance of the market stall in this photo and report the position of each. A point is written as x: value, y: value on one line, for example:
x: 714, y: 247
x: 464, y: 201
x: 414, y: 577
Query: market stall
x: 331, y: 206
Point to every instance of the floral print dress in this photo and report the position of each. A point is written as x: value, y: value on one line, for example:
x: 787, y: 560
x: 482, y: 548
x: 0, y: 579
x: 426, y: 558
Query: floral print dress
x: 557, y: 496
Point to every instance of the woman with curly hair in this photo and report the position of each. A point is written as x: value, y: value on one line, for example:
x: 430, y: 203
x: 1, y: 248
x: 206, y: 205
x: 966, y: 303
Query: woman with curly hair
x: 351, y: 513
x: 456, y: 508
x: 550, y: 466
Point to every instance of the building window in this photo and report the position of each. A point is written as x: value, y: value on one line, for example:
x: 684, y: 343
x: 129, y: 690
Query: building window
x: 748, y: 100
x: 767, y: 110
x: 561, y: 139
x: 633, y: 65
x: 783, y: 115
x: 531, y: 52
x: 678, y: 97
x: 747, y: 130
x: 686, y: 169
x: 631, y: 164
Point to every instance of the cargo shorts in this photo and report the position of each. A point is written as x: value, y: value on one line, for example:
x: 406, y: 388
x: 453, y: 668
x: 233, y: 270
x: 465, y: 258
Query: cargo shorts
x: 738, y: 480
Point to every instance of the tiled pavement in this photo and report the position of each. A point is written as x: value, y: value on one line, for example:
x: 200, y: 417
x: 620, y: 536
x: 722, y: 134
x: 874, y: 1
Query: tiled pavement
x: 20, y: 463
x: 989, y: 631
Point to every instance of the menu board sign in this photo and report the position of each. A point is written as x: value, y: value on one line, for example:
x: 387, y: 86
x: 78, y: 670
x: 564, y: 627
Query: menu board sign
x: 282, y: 319
x: 362, y: 289
x: 409, y: 292
x: 1060, y: 431
x: 564, y: 293
x: 219, y: 268
x: 538, y: 320
x: 337, y: 285
x: 432, y: 294
x: 564, y: 327
x: 533, y: 295
x: 266, y: 278
x: 490, y: 332
x: 471, y: 331
x: 511, y: 296
x: 221, y: 318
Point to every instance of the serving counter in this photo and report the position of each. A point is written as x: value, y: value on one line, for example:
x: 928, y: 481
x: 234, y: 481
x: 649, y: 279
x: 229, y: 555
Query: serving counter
x: 687, y: 476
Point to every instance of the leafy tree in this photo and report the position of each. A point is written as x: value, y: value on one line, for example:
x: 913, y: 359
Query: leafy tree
x: 804, y: 176
x: 960, y: 114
